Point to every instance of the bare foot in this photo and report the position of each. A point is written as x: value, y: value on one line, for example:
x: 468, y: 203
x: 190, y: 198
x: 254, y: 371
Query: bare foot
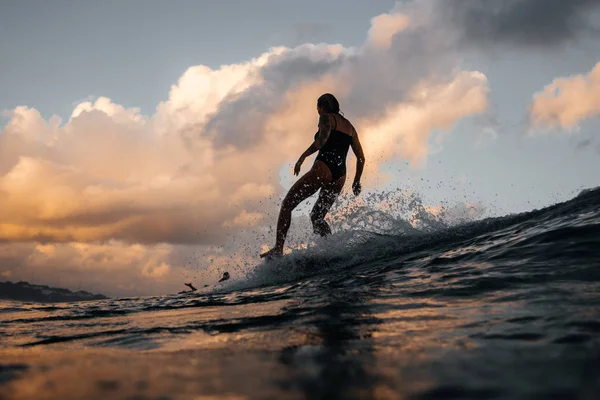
x: 274, y: 252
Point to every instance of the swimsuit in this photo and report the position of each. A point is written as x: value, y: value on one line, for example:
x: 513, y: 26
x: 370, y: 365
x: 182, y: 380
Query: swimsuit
x: 334, y: 152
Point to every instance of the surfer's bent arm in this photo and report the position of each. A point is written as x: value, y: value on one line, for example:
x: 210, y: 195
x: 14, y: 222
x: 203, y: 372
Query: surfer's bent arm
x: 360, y: 156
x: 311, y: 149
x: 321, y: 136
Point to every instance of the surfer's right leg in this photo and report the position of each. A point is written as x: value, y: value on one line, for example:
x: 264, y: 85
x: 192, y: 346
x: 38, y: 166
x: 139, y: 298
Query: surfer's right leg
x: 305, y: 187
x: 323, y: 204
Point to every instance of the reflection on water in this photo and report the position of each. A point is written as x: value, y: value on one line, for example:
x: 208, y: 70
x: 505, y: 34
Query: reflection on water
x: 369, y: 334
x: 337, y: 359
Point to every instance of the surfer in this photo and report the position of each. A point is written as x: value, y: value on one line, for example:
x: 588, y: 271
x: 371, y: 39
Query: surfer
x: 328, y: 173
x: 225, y: 276
x: 193, y: 289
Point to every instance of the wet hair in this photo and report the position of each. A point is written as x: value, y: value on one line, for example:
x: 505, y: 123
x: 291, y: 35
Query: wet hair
x: 329, y: 103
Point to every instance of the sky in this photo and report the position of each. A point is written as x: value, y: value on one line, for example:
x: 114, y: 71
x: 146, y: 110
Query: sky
x: 148, y: 143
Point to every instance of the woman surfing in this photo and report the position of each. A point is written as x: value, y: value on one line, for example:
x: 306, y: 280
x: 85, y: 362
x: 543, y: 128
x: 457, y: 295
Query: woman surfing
x: 335, y: 136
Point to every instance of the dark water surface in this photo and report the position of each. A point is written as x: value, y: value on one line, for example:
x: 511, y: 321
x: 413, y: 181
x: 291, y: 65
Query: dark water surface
x: 506, y: 308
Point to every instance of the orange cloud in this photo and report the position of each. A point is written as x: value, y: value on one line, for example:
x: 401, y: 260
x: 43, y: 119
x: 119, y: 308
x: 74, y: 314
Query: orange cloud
x: 407, y: 127
x: 111, y: 268
x: 567, y: 101
x: 384, y: 27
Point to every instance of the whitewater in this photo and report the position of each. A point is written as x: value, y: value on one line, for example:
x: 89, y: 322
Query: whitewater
x: 500, y: 308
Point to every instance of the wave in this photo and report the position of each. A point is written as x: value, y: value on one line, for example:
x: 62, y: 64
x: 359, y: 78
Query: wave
x: 575, y: 222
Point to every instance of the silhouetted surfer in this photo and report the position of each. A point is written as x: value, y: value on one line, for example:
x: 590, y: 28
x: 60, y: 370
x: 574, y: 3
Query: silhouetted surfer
x: 225, y: 276
x: 328, y: 173
x: 193, y: 289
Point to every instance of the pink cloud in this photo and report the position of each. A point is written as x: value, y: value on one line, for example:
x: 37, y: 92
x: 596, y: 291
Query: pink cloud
x: 567, y: 101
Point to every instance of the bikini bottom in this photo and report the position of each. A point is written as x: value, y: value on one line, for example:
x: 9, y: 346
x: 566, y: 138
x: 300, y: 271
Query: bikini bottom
x: 337, y: 169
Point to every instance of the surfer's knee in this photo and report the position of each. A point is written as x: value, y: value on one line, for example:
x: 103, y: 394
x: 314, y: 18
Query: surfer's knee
x: 292, y: 200
x: 288, y: 203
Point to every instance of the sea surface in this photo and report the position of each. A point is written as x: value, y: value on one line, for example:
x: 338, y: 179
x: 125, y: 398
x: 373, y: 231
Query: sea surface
x: 503, y: 308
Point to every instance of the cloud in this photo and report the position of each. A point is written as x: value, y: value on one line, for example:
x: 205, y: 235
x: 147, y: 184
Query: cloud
x: 521, y: 23
x: 205, y: 166
x: 408, y: 126
x: 184, y: 175
x: 384, y: 27
x: 567, y: 101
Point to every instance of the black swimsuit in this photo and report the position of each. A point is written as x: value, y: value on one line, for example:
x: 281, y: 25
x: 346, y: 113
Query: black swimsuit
x: 334, y: 152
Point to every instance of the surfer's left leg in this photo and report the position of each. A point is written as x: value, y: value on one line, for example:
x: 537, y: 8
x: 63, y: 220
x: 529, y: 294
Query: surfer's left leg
x: 327, y: 197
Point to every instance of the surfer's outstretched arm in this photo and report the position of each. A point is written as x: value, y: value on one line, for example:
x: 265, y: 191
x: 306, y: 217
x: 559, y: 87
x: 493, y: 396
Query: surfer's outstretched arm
x: 360, y: 162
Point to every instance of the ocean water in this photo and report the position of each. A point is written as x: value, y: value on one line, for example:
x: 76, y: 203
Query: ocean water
x: 504, y: 308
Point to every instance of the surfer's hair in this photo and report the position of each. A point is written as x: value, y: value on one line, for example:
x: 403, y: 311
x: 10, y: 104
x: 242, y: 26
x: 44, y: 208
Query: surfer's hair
x: 329, y: 103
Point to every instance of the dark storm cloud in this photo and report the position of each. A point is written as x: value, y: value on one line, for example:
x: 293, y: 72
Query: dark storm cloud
x: 528, y: 23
